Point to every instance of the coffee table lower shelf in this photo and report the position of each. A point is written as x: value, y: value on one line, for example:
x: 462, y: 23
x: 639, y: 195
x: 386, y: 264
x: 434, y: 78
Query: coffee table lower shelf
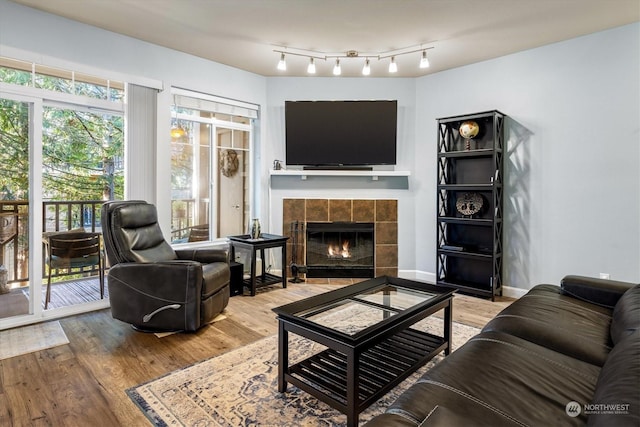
x: 381, y: 368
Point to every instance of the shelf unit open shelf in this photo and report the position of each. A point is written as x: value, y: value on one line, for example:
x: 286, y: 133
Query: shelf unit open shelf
x: 470, y: 179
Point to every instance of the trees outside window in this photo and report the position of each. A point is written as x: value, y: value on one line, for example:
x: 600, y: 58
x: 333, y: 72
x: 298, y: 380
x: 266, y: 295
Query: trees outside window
x: 82, y: 155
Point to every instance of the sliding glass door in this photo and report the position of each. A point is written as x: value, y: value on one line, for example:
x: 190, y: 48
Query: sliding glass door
x: 82, y: 166
x: 16, y: 128
x: 61, y: 156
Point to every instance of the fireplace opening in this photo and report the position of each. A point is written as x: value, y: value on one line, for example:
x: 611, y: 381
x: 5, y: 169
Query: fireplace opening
x: 340, y: 249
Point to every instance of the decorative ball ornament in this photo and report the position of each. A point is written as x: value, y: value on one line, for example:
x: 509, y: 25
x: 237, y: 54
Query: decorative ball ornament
x: 469, y: 130
x: 469, y: 204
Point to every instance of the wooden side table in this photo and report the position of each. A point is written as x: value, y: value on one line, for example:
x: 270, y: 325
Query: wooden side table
x: 266, y: 241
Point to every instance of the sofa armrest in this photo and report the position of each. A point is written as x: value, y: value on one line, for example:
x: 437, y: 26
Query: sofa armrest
x: 165, y: 280
x: 203, y: 255
x: 603, y: 292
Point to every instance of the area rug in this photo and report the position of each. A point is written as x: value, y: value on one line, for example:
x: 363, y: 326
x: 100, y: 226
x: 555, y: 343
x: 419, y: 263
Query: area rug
x: 240, y: 388
x: 27, y: 339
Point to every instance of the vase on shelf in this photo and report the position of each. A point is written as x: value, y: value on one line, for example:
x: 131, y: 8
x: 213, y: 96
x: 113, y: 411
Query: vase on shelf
x: 255, y: 228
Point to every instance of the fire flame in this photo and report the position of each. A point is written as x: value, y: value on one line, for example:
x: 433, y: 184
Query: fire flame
x: 337, y: 251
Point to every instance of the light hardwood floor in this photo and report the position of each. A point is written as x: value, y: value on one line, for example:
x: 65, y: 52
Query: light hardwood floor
x: 83, y: 383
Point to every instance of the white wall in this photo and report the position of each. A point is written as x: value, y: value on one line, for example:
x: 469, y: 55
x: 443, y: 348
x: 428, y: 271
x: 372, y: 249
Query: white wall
x: 572, y: 169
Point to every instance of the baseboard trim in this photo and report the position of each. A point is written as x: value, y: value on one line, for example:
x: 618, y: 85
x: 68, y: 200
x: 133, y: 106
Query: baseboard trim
x: 423, y: 276
x: 417, y: 275
x: 507, y: 291
x: 511, y: 292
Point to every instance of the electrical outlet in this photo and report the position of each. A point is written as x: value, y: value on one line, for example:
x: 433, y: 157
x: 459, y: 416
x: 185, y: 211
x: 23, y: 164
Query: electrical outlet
x: 605, y: 276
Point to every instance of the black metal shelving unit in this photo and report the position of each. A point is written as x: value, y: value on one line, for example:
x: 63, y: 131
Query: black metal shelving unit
x: 469, y: 247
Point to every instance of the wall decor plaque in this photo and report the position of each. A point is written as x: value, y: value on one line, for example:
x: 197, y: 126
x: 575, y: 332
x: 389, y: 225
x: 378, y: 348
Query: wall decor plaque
x: 469, y: 204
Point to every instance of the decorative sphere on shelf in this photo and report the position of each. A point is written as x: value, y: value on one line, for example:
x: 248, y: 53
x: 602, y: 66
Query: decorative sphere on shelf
x: 469, y: 129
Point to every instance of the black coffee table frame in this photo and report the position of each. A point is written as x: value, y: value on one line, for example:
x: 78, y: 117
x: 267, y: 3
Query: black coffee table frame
x: 356, y: 370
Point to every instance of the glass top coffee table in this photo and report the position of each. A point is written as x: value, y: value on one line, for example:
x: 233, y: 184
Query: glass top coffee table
x: 370, y: 344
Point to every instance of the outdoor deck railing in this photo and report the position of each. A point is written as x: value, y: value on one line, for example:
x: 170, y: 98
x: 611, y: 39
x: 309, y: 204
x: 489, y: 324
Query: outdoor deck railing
x: 62, y: 216
x: 56, y: 216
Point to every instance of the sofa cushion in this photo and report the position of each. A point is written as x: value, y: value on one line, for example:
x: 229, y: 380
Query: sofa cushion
x: 500, y: 379
x: 619, y: 385
x: 626, y: 315
x: 547, y: 317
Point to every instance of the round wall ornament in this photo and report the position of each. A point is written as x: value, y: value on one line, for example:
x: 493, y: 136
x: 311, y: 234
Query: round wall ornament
x: 229, y: 163
x: 469, y: 204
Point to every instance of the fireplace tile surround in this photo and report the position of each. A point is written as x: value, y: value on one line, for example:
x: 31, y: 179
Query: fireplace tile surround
x: 383, y: 213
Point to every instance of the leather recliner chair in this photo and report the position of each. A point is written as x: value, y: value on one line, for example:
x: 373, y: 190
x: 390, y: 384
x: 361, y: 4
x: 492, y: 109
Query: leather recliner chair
x: 152, y: 286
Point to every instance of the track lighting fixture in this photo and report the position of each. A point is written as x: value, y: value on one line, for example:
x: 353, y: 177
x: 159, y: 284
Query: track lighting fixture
x: 353, y: 54
x: 424, y: 61
x: 282, y: 64
x: 393, y: 67
x: 336, y: 68
x: 366, y: 70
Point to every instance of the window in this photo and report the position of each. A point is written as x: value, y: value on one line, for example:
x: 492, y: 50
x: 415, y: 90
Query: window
x: 210, y: 167
x: 58, y: 80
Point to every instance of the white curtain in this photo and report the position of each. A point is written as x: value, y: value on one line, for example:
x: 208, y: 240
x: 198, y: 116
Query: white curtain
x: 141, y: 143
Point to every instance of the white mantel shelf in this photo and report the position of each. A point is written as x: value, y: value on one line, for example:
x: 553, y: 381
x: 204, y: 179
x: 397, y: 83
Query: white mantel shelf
x: 303, y: 174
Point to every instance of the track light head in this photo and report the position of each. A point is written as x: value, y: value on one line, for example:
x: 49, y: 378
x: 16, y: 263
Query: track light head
x: 282, y: 64
x: 393, y: 67
x: 311, y: 68
x: 366, y: 70
x: 424, y: 61
x: 337, y: 70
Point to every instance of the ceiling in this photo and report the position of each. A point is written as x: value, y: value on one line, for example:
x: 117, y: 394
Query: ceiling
x: 244, y: 33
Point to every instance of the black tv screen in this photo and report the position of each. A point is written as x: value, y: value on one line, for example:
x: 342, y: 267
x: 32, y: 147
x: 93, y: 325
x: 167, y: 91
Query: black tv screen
x: 341, y: 133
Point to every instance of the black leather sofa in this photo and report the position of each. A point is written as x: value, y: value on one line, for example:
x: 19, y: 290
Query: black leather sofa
x: 558, y: 356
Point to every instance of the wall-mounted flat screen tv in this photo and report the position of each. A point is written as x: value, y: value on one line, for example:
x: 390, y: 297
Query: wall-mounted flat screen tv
x: 341, y: 133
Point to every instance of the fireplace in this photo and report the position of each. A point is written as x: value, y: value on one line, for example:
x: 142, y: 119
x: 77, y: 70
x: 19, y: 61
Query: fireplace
x: 340, y: 249
x: 382, y: 213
